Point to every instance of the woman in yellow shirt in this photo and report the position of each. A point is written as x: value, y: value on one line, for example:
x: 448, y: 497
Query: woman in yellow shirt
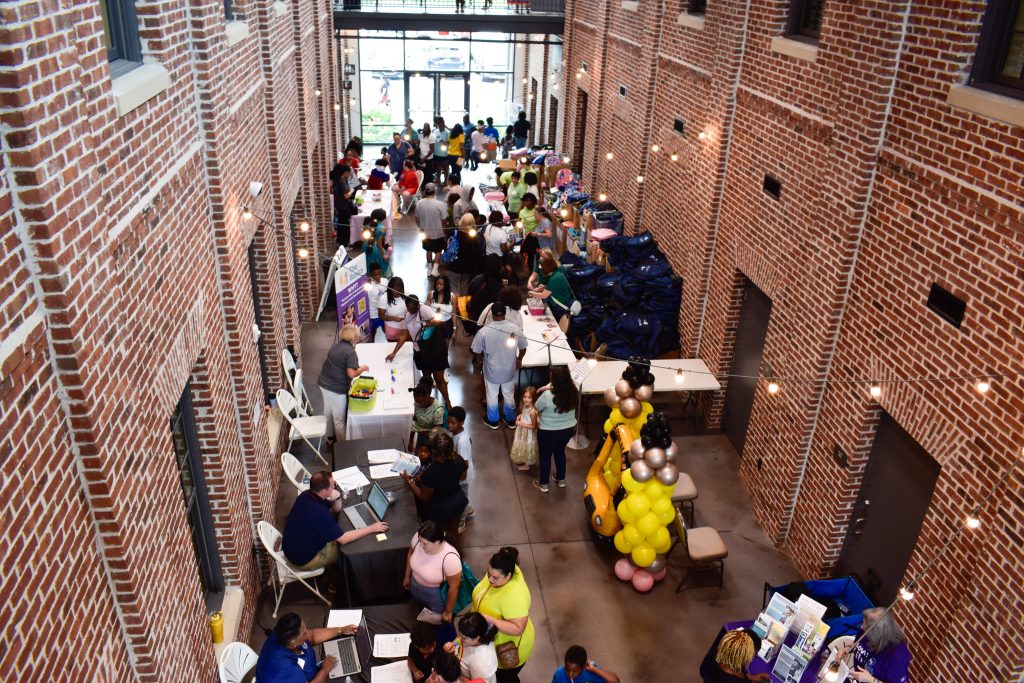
x: 504, y: 599
x: 455, y: 142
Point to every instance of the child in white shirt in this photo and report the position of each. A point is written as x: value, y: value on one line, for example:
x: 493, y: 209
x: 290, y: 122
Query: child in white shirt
x: 464, y: 447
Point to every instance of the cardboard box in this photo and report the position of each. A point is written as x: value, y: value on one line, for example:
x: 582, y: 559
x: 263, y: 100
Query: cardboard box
x: 551, y: 173
x: 506, y: 164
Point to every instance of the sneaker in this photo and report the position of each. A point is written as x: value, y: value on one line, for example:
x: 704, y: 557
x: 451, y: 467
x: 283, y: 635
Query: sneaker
x: 543, y: 487
x: 508, y: 425
x: 561, y: 483
x: 492, y: 425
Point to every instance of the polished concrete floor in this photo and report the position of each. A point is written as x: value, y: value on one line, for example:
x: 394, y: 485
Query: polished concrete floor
x: 661, y: 635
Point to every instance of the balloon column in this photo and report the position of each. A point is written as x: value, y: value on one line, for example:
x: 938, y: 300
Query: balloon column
x: 629, y: 397
x: 647, y: 509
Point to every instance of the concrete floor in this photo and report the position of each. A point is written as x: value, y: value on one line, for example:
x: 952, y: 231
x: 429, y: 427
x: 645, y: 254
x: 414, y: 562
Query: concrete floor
x: 576, y: 597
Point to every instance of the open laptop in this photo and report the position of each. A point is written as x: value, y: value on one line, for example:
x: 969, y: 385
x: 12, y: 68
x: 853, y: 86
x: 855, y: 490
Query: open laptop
x: 372, y: 511
x: 344, y: 650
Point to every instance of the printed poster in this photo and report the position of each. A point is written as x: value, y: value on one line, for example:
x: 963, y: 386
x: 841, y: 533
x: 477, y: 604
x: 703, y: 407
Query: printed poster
x: 353, y: 301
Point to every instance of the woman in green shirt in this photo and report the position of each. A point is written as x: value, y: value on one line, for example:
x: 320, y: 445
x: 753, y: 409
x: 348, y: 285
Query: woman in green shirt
x: 548, y: 283
x: 556, y: 408
x: 503, y: 598
x: 514, y: 193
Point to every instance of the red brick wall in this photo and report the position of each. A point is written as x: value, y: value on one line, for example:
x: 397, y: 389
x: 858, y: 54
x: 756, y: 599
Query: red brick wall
x: 886, y: 189
x: 124, y: 275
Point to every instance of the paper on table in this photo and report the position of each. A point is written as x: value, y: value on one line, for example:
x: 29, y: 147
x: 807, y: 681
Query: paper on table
x: 391, y: 645
x: 579, y: 372
x: 350, y: 478
x: 428, y: 616
x: 790, y: 665
x: 388, y: 455
x: 395, y: 672
x: 807, y: 608
x: 344, y: 617
x: 382, y: 471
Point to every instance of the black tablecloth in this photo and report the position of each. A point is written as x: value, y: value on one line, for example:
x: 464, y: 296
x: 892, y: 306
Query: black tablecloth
x: 381, y: 619
x: 372, y: 570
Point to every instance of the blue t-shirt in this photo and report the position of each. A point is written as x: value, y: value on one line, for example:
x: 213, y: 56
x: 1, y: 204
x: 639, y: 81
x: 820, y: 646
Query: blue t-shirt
x: 492, y: 132
x: 441, y: 138
x: 584, y: 677
x: 397, y: 155
x: 280, y: 664
x: 891, y: 665
x: 310, y: 526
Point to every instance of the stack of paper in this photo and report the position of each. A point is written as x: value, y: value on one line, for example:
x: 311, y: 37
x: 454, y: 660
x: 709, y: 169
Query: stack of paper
x: 395, y: 672
x: 350, y: 478
x: 344, y: 617
x: 391, y: 645
x: 382, y: 471
x: 388, y: 455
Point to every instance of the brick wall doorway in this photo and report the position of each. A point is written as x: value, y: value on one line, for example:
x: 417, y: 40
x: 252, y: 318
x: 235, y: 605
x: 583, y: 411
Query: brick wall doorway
x: 748, y: 348
x: 580, y: 142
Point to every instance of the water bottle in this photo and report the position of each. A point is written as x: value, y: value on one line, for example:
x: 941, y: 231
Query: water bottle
x: 348, y: 679
x: 305, y: 480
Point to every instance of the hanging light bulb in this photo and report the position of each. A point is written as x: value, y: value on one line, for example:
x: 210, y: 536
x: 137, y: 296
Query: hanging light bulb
x: 602, y: 197
x: 674, y: 157
x: 655, y: 148
x: 773, y: 387
x: 639, y: 178
x: 907, y: 592
x: 437, y: 316
x: 444, y: 148
x: 406, y: 138
x: 554, y: 87
x: 511, y: 341
x: 564, y: 213
x: 367, y: 234
x: 317, y: 92
x: 565, y: 160
x: 246, y: 213
x: 337, y: 106
x: 832, y: 674
x: 592, y: 362
x: 972, y: 520
x: 366, y: 287
x: 519, y: 224
x: 303, y: 253
x: 423, y: 236
x: 483, y: 156
x: 304, y: 226
x: 983, y: 386
x: 472, y: 232
x: 609, y: 156
x: 679, y: 377
x: 875, y: 391
x: 702, y: 135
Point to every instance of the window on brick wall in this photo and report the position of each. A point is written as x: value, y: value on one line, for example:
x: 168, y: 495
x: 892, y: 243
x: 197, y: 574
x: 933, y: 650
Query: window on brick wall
x: 228, y: 14
x: 999, y: 61
x: 121, y: 35
x: 696, y: 6
x: 193, y: 488
x: 805, y: 18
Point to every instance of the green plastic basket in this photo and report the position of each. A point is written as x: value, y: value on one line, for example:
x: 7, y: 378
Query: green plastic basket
x: 362, y: 395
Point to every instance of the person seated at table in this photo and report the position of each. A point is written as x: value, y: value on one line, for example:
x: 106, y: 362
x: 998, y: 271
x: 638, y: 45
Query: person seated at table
x: 407, y: 186
x: 430, y: 563
x: 548, y: 283
x: 379, y: 177
x: 733, y: 655
x: 882, y: 656
x: 352, y: 159
x: 311, y: 533
x: 287, y: 654
x: 580, y: 669
x: 446, y: 669
x: 428, y: 414
x: 422, y: 644
x: 439, y: 497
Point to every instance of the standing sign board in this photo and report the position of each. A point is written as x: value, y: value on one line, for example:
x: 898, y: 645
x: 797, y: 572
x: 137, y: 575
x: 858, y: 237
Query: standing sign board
x: 353, y: 302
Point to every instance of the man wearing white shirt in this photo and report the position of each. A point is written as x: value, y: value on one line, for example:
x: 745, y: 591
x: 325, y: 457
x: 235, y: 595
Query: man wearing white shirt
x: 503, y: 346
x: 376, y: 289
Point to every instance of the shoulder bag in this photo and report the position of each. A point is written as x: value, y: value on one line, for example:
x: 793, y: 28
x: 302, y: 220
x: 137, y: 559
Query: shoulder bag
x: 466, y: 586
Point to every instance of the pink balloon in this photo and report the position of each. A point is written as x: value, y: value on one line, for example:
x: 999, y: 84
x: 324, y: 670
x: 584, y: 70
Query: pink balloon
x: 643, y: 581
x: 624, y: 569
x: 660, y: 574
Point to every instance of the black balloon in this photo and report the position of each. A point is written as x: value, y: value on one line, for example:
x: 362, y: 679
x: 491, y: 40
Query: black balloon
x: 646, y: 441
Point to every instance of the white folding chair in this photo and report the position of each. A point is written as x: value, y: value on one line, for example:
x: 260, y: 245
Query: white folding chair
x: 297, y: 474
x: 236, y: 661
x: 303, y: 426
x: 293, y: 375
x: 284, y: 571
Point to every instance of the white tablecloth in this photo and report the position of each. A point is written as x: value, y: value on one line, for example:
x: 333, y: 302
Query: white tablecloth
x: 370, y: 202
x: 696, y: 375
x: 392, y: 413
x: 539, y: 331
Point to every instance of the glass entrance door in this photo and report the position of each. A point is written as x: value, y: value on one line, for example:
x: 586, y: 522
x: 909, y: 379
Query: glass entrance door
x: 437, y: 94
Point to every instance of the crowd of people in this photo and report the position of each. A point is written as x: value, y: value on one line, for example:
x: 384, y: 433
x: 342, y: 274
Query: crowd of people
x: 477, y: 281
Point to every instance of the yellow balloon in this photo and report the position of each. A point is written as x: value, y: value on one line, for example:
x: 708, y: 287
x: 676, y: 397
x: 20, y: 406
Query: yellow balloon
x: 629, y: 483
x: 626, y: 514
x: 643, y: 555
x: 654, y: 490
x: 669, y: 490
x: 621, y: 544
x: 609, y: 479
x: 648, y: 524
x: 663, y: 548
x: 616, y: 417
x: 660, y: 538
x: 666, y: 516
x: 632, y: 534
x: 661, y: 505
x: 638, y: 503
x: 608, y: 426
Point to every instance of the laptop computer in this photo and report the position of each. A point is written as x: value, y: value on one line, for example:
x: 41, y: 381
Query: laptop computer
x: 344, y: 650
x: 372, y: 511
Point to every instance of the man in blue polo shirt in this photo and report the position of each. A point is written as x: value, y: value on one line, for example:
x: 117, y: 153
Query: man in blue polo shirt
x: 579, y: 669
x: 311, y: 534
x: 287, y: 655
x: 398, y: 152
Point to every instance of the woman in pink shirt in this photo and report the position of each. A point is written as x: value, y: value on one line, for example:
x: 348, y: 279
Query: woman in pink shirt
x: 432, y: 562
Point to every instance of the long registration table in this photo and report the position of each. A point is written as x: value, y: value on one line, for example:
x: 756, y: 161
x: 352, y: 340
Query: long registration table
x: 373, y: 570
x: 546, y: 344
x: 380, y: 619
x: 392, y: 413
x: 372, y: 199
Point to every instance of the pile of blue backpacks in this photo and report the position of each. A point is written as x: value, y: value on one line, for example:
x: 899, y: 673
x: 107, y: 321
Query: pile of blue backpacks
x: 635, y: 308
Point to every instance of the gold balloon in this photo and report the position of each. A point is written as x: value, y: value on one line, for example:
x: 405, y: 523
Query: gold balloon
x: 630, y: 407
x: 672, y: 452
x: 644, y: 392
x: 655, y: 457
x: 611, y: 399
x: 622, y: 389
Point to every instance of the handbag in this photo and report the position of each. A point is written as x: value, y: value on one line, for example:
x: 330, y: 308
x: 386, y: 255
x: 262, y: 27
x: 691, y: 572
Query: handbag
x: 466, y: 586
x: 508, y: 652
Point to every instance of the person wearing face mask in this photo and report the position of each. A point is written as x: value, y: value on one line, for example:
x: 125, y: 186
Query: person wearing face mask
x: 503, y: 598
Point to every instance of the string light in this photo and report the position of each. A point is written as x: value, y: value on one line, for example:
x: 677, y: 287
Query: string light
x: 437, y: 316
x: 472, y: 232
x: 674, y: 157
x: 655, y: 148
x: 578, y: 75
x: 304, y: 226
x: 483, y: 156
x: 565, y: 160
x: 907, y: 592
x: 511, y: 341
x: 337, y: 106
x: 423, y: 235
x: 592, y: 362
x: 702, y: 135
x: 444, y: 148
x: 602, y: 197
x: 367, y: 287
x: 519, y: 224
x: 317, y: 92
x: 639, y: 178
x: 303, y: 253
x: 406, y: 138
x: 525, y: 81
x: 554, y: 87
x: 564, y: 213
x: 609, y: 156
x: 875, y: 391
x: 983, y: 386
x: 973, y: 521
x: 679, y: 377
x: 367, y: 234
x: 246, y: 213
x: 832, y: 674
x: 773, y: 387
